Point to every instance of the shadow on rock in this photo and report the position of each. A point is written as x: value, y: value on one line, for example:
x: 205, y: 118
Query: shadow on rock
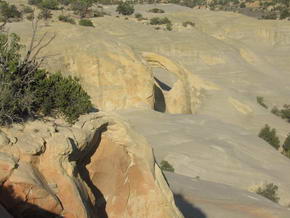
x: 187, y: 209
x: 18, y: 208
x: 99, y: 206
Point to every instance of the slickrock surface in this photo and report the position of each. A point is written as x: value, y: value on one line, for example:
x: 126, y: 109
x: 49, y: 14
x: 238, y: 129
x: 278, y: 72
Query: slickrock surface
x: 205, y: 80
x: 98, y: 167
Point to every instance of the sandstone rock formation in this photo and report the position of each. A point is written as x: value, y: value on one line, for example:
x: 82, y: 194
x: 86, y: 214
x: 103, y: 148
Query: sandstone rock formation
x: 212, y: 72
x: 98, y: 167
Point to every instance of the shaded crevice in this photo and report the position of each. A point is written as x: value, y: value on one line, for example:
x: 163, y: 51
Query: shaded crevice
x: 159, y: 99
x: 187, y: 208
x: 99, y: 206
x: 162, y: 85
x: 19, y: 208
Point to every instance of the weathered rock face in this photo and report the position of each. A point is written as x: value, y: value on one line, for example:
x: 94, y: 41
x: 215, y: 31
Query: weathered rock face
x: 96, y: 168
x: 111, y: 72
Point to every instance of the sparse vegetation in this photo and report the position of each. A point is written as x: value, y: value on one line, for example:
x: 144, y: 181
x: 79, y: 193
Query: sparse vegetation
x: 86, y: 22
x: 269, y: 135
x: 188, y: 23
x: 165, y: 166
x: 284, y: 113
x: 261, y: 102
x: 269, y: 191
x: 28, y: 92
x: 47, y: 4
x: 45, y: 14
x: 169, y: 26
x: 125, y: 8
x: 66, y: 19
x: 81, y: 7
x: 139, y: 16
x: 159, y: 21
x: 286, y: 146
x: 8, y: 12
x: 156, y: 10
x: 27, y: 10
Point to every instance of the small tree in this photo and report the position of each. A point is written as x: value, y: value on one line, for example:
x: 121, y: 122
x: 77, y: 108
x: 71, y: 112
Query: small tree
x: 269, y: 135
x: 125, y: 8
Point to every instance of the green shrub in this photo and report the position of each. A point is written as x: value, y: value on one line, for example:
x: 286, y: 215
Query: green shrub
x: 28, y: 92
x: 64, y: 94
x: 269, y: 191
x: 159, y: 21
x: 125, y: 8
x: 260, y: 101
x: 156, y: 10
x: 86, y: 22
x: 269, y: 135
x: 165, y: 166
x: 66, y: 19
x: 188, y: 23
x: 8, y: 11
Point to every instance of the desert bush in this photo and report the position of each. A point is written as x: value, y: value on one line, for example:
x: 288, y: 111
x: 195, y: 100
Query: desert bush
x: 49, y: 4
x: 276, y: 111
x: 30, y: 17
x: 169, y: 26
x: 159, y: 21
x: 243, y: 5
x: 285, y: 112
x: 286, y: 144
x: 81, y: 7
x: 86, y: 22
x: 45, y: 14
x: 66, y: 19
x: 8, y: 11
x: 165, y: 166
x: 270, y: 16
x: 26, y: 91
x: 27, y: 10
x: 269, y: 191
x: 284, y: 14
x: 188, y: 23
x: 156, y: 10
x: 99, y: 13
x: 260, y: 101
x: 269, y: 135
x: 138, y: 16
x: 125, y: 8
